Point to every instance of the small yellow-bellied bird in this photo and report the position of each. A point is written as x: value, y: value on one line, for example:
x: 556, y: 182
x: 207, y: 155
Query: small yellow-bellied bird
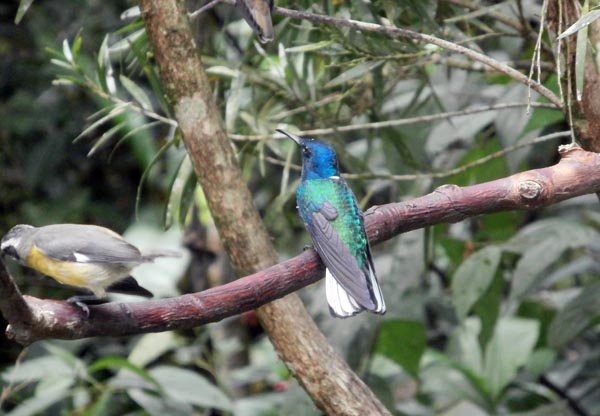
x: 85, y: 256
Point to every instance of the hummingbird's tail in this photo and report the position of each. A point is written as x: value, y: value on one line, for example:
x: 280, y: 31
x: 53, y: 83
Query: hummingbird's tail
x: 343, y: 305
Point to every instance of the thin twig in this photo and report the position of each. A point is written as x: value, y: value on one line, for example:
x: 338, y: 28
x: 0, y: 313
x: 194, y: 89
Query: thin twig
x: 438, y: 175
x: 391, y: 123
x: 206, y: 7
x: 409, y: 34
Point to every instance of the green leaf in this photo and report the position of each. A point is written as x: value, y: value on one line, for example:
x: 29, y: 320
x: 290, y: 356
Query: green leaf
x: 181, y: 192
x: 37, y: 368
x: 464, y: 346
x: 106, y: 136
x: 580, y: 61
x: 67, y: 51
x: 116, y: 111
x: 121, y: 363
x: 508, y: 350
x: 540, y: 362
x: 158, y: 406
x: 577, y: 315
x: 137, y: 92
x: 151, y: 346
x: 189, y: 387
x: 473, y: 277
x: 23, y: 7
x: 445, y: 377
x: 157, y: 156
x: 583, y: 22
x: 309, y: 47
x: 403, y: 342
x: 46, y: 394
x: 354, y: 72
x: 541, y: 244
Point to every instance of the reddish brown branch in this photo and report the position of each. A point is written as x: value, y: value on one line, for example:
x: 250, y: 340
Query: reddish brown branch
x: 577, y: 173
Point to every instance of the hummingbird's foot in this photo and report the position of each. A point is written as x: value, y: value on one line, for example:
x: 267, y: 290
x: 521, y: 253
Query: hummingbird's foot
x: 307, y: 247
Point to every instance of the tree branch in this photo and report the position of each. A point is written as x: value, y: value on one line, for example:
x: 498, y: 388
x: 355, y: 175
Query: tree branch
x: 409, y: 34
x: 577, y: 173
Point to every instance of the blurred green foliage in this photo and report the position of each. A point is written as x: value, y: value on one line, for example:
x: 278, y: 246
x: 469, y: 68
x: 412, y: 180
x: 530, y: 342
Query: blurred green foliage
x: 493, y: 315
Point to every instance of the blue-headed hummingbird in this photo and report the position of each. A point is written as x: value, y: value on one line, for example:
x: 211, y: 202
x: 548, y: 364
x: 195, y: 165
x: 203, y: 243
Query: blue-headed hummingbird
x: 334, y: 221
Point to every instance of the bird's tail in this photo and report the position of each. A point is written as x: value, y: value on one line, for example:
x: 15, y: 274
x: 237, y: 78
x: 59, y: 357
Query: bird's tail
x: 151, y: 255
x: 129, y: 286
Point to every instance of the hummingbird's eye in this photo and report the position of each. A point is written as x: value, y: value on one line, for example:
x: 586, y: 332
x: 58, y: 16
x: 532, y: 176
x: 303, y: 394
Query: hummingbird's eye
x: 306, y: 150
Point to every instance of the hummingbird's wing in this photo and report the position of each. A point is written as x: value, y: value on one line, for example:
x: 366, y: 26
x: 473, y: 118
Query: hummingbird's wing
x: 358, y: 283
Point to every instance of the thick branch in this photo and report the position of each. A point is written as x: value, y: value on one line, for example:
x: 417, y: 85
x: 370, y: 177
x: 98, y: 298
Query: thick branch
x: 577, y: 173
x: 305, y: 350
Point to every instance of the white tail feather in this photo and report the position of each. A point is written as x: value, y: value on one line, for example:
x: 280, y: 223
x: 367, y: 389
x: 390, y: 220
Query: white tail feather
x: 340, y: 302
x: 377, y: 292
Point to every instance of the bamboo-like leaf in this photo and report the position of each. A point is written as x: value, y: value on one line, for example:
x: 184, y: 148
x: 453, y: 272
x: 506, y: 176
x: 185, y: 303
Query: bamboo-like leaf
x: 125, y: 43
x: 76, y: 47
x: 61, y: 63
x: 580, y: 54
x: 176, y: 190
x: 310, y: 47
x: 353, y: 73
x: 131, y: 13
x: 133, y: 132
x: 137, y: 92
x: 157, y: 156
x: 67, y: 51
x: 23, y: 7
x: 285, y: 176
x: 106, y: 137
x: 583, y: 22
x: 103, y: 53
x: 114, y: 112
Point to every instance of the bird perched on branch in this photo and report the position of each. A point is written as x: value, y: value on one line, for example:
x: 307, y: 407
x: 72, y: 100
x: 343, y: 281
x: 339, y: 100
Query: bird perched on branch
x: 334, y: 221
x: 85, y: 256
x: 257, y: 14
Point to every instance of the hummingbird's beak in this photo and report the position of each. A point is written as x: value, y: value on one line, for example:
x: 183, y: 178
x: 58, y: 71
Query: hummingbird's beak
x: 295, y: 138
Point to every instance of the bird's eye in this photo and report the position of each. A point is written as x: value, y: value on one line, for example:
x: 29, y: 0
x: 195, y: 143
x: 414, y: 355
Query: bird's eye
x: 306, y: 150
x: 11, y: 251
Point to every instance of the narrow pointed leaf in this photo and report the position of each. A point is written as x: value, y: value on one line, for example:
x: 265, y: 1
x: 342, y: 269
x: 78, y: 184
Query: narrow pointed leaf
x: 137, y: 92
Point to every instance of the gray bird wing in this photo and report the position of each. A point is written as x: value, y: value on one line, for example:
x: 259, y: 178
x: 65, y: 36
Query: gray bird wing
x: 85, y: 244
x: 338, y: 258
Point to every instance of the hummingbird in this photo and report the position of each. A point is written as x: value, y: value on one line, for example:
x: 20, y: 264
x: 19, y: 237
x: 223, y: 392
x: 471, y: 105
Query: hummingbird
x: 335, y: 223
x: 257, y: 14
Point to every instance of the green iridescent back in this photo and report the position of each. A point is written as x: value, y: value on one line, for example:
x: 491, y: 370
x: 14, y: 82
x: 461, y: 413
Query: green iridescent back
x: 348, y: 225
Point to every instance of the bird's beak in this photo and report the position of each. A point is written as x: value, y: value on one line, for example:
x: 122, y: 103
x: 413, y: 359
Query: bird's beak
x: 295, y: 138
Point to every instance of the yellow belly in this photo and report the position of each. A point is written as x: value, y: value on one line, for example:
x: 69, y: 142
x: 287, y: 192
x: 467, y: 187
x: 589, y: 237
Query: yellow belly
x: 91, y: 276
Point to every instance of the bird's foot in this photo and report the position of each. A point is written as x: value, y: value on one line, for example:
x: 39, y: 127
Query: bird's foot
x: 82, y: 302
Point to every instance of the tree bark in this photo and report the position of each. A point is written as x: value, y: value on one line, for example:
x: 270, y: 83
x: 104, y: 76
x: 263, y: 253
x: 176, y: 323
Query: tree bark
x: 326, y: 377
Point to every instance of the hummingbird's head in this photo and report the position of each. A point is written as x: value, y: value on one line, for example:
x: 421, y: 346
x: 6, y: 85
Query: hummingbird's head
x: 319, y: 160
